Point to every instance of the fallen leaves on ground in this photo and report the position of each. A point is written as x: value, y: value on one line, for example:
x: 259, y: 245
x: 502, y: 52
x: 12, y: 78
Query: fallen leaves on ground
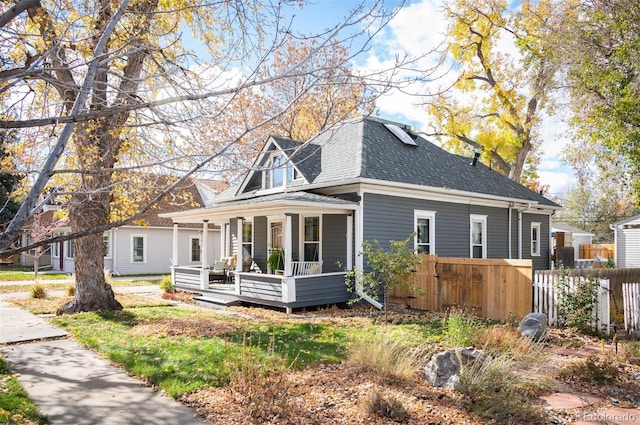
x: 336, y: 394
x: 185, y: 327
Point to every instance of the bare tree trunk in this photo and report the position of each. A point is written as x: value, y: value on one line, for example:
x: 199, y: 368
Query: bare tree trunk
x: 90, y: 208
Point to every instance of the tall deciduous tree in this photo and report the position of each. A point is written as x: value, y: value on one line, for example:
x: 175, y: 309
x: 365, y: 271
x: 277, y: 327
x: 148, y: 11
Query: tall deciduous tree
x: 504, y: 56
x: 115, y: 78
x: 603, y: 50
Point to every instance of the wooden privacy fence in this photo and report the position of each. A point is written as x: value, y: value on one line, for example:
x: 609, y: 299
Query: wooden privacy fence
x: 547, y: 293
x: 490, y: 288
x: 631, y: 300
x: 602, y: 251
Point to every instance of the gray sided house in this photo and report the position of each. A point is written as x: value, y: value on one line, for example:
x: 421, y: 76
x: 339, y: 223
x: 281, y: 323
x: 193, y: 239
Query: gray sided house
x: 362, y: 180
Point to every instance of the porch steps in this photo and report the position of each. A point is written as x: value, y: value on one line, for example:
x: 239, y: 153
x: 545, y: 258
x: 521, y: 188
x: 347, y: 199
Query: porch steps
x: 212, y: 300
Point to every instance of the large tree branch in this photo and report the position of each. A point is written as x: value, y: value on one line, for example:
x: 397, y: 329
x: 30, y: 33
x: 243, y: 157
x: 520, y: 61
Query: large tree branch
x: 10, y: 234
x: 17, y: 9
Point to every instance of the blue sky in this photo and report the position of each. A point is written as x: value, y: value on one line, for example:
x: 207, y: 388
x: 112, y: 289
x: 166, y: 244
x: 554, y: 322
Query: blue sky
x: 416, y: 28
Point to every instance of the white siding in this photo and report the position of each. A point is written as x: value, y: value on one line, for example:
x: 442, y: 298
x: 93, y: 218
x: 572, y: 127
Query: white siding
x: 628, y: 249
x: 158, y: 249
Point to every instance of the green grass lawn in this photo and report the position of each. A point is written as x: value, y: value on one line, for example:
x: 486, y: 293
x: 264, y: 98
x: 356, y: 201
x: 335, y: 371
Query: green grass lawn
x: 13, y: 275
x: 15, y: 406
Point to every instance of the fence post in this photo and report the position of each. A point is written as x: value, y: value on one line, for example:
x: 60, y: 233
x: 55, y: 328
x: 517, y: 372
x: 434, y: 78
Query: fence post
x: 604, y: 308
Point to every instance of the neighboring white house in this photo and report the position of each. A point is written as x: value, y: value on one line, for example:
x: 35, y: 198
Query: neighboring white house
x: 148, y: 249
x: 627, y: 242
x: 573, y: 237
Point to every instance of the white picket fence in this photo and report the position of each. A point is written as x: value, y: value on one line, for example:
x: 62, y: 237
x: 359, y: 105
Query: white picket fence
x: 631, y: 300
x: 546, y: 298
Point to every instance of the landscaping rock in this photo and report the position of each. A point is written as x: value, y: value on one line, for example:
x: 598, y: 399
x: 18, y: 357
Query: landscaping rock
x: 534, y: 325
x: 443, y: 370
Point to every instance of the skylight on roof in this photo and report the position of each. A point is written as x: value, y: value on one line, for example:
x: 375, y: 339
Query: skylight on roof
x: 402, y: 135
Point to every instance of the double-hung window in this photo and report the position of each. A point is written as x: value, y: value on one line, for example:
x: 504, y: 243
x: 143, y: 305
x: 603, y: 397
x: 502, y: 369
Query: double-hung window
x: 138, y: 247
x: 535, y: 239
x: 311, y: 242
x: 478, y: 236
x: 424, y: 236
x: 195, y: 249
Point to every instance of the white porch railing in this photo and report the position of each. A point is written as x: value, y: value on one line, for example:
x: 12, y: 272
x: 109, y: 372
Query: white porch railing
x: 546, y: 297
x: 304, y: 268
x: 631, y: 300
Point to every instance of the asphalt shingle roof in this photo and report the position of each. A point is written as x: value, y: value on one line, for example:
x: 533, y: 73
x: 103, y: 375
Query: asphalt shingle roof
x: 365, y: 148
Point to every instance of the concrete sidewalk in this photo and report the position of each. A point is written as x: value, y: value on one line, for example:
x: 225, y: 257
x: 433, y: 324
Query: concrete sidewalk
x: 73, y: 385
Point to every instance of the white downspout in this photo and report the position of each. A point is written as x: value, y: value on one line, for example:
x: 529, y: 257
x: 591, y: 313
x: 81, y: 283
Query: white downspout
x: 359, y: 260
x: 520, y: 211
x: 114, y: 251
x: 615, y: 243
x: 204, y: 247
x: 509, y: 229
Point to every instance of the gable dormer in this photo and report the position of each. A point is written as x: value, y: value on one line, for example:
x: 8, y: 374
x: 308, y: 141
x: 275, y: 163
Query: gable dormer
x: 275, y: 168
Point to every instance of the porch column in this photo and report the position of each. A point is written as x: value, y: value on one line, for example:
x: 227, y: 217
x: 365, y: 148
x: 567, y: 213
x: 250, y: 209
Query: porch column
x: 205, y: 237
x: 287, y: 244
x: 174, y: 259
x: 239, y: 259
x: 349, y: 262
x: 223, y: 238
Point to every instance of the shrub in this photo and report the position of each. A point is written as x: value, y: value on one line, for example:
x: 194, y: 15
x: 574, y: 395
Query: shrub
x: 387, y: 357
x: 38, y: 291
x: 167, y: 285
x: 458, y: 329
x: 494, y: 393
x: 576, y: 304
x: 71, y: 290
x: 376, y: 404
x: 389, y: 269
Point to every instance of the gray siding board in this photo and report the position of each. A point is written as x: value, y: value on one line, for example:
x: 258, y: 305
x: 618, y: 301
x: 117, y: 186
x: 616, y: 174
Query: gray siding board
x: 334, y: 242
x: 318, y: 290
x: 389, y: 218
x: 261, y: 289
x: 541, y: 262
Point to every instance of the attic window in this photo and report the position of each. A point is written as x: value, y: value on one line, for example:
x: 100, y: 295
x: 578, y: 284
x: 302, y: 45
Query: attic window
x: 402, y: 135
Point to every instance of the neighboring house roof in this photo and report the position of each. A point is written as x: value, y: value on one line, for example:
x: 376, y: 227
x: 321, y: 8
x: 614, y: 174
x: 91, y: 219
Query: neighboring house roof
x: 364, y: 149
x: 627, y: 220
x: 567, y: 228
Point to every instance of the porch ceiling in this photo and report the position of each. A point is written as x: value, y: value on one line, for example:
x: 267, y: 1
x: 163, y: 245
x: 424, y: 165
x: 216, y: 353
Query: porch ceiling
x: 279, y: 203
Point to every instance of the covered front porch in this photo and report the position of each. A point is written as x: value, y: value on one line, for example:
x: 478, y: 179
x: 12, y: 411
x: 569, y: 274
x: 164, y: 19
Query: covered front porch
x: 312, y: 234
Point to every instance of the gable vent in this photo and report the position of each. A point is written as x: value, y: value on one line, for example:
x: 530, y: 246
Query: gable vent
x: 402, y: 135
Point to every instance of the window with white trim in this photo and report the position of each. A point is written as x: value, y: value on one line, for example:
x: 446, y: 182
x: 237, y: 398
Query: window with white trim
x: 478, y: 236
x: 424, y: 227
x: 311, y: 240
x: 535, y: 239
x: 194, y: 245
x: 69, y: 251
x: 247, y: 238
x: 279, y: 172
x: 106, y: 240
x: 138, y: 248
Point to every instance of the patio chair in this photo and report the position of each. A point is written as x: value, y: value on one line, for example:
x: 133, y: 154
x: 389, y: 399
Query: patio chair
x: 219, y: 272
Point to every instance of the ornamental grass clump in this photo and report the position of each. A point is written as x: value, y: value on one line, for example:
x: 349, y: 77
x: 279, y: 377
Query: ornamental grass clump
x: 259, y: 384
x: 458, y: 329
x: 388, y: 358
x: 38, y: 291
x: 493, y: 392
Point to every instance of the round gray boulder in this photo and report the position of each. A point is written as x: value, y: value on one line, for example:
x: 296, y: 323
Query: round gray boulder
x: 534, y: 325
x: 443, y: 370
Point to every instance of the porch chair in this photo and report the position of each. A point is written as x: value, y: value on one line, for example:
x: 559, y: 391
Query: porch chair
x: 219, y: 272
